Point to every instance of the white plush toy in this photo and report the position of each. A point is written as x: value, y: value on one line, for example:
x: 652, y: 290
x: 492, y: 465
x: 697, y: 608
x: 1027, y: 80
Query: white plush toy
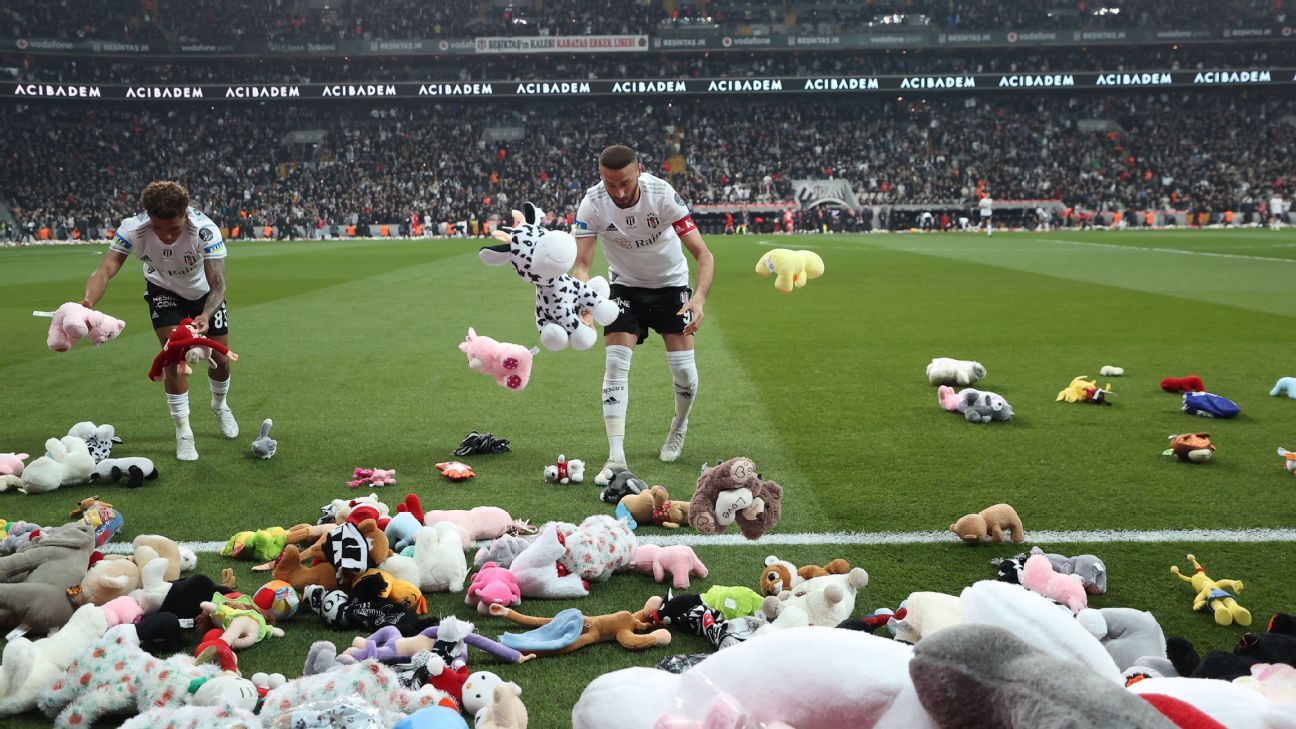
x: 1111, y: 371
x: 961, y: 372
x: 925, y: 613
x: 99, y: 439
x: 826, y: 600
x: 1017, y: 661
x: 136, y: 470
x: 67, y: 461
x: 439, y: 556
x: 565, y: 471
x: 536, y: 569
x: 543, y: 257
x: 31, y: 666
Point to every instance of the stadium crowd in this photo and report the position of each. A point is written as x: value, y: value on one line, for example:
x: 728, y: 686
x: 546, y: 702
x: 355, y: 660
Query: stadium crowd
x: 66, y: 168
x: 227, y: 21
x: 665, y: 65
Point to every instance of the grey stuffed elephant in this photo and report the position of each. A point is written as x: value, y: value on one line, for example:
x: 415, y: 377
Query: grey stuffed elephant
x: 34, y: 581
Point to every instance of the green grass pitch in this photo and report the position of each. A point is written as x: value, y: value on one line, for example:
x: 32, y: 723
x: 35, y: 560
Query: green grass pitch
x: 351, y: 348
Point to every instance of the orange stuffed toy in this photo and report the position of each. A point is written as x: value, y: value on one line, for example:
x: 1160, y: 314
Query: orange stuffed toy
x: 337, y: 559
x: 456, y: 471
x: 183, y: 347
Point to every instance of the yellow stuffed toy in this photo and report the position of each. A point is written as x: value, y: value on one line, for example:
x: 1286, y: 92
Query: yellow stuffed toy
x: 1083, y: 390
x: 790, y: 268
x: 1212, y: 592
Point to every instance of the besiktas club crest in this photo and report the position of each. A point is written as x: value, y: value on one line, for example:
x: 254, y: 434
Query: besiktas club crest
x: 190, y: 258
x: 652, y: 220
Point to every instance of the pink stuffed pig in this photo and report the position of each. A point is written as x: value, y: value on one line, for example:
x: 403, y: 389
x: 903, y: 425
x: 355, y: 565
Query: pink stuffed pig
x: 678, y: 560
x: 482, y: 522
x: 509, y: 364
x: 73, y: 322
x: 11, y: 464
x: 1039, y: 576
x: 493, y: 585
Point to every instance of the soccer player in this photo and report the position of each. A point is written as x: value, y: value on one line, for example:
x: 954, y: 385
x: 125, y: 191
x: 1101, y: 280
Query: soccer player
x: 184, y: 274
x: 926, y: 221
x: 643, y: 224
x: 986, y: 204
x: 1277, y: 211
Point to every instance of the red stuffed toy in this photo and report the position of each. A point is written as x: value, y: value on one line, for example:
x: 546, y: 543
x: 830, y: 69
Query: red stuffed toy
x: 1190, y: 383
x: 183, y: 339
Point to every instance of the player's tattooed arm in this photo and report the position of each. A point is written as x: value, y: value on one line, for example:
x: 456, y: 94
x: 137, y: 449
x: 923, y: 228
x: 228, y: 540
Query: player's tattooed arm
x: 215, y: 269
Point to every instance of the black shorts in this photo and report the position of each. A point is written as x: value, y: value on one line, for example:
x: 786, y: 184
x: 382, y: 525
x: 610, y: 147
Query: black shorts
x: 644, y: 309
x: 166, y: 309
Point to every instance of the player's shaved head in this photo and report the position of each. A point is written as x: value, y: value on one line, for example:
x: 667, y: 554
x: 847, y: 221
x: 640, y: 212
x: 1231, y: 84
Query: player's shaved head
x: 165, y: 199
x: 616, y: 157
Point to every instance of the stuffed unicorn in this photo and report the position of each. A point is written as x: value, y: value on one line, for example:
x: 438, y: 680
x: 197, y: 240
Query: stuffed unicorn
x: 543, y: 257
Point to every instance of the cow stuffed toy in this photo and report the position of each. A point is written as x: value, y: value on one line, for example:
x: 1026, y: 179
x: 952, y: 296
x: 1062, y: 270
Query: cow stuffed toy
x: 543, y: 257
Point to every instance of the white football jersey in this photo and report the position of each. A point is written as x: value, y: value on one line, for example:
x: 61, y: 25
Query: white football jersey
x: 1276, y: 206
x: 986, y: 205
x: 177, y: 267
x: 642, y: 243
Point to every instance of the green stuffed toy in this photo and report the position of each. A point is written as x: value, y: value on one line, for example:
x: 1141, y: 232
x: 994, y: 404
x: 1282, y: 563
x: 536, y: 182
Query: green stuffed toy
x: 790, y: 268
x: 733, y: 602
x: 261, y: 545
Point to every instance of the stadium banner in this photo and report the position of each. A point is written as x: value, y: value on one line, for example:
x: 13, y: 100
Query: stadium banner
x: 436, y: 90
x: 562, y: 44
x: 668, y: 41
x: 810, y: 193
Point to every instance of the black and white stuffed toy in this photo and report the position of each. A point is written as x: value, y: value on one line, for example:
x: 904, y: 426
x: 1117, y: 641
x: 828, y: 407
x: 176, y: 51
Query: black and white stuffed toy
x: 136, y: 470
x: 99, y: 439
x: 363, y: 609
x: 543, y: 257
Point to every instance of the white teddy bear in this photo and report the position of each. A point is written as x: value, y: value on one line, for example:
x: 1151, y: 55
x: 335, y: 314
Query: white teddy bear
x: 961, y: 372
x: 439, y: 555
x: 66, y: 462
x: 826, y: 600
x: 565, y: 471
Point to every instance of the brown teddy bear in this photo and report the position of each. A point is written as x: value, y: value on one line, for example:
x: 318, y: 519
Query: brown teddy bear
x: 732, y: 492
x: 666, y: 512
x: 1191, y: 447
x: 329, y: 562
x: 639, y: 505
x: 780, y: 575
x: 991, y: 521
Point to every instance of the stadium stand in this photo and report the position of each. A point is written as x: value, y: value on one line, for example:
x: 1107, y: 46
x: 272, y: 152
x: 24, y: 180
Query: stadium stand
x: 1202, y: 151
x: 290, y: 21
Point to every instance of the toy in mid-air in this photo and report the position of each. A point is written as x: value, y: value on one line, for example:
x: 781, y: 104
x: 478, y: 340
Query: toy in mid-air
x: 790, y: 268
x: 543, y: 257
x: 73, y: 322
x: 509, y: 364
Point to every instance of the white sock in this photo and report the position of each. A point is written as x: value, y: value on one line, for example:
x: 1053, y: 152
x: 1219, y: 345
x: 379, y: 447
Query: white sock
x: 616, y: 398
x: 219, y: 391
x: 179, y: 407
x: 684, y: 372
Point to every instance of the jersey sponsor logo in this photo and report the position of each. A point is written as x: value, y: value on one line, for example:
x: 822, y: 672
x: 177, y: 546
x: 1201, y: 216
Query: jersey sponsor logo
x: 651, y: 219
x: 582, y: 225
x: 611, y: 227
x: 190, y: 258
x: 624, y: 243
x: 163, y: 302
x: 123, y: 242
x: 214, y: 246
x: 630, y: 220
x: 205, y: 234
x: 684, y: 225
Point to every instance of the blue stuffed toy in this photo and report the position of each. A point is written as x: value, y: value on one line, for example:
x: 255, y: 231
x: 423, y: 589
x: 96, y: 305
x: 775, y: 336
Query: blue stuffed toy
x: 1208, y: 405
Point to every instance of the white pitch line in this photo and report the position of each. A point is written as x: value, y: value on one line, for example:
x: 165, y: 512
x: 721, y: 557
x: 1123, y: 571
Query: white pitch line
x: 1150, y: 249
x: 1040, y: 536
